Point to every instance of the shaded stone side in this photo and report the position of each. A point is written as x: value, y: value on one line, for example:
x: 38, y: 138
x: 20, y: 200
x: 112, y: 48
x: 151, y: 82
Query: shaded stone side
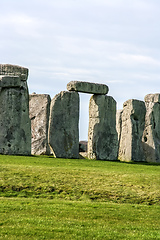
x: 83, y: 145
x: 132, y: 127
x: 119, y: 123
x: 9, y: 81
x: 87, y: 87
x: 39, y: 110
x: 64, y: 125
x: 151, y: 135
x: 15, y: 134
x: 102, y: 134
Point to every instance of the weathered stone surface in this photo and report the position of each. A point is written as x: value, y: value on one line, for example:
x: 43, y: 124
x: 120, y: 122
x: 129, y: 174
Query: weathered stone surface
x: 87, y: 87
x: 14, y: 70
x: 15, y: 134
x: 63, y: 125
x: 133, y: 117
x: 119, y: 123
x: 154, y: 98
x: 39, y: 110
x: 102, y: 134
x: 151, y: 134
x: 9, y: 81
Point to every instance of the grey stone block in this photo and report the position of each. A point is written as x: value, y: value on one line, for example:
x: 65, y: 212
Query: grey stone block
x: 133, y: 118
x: 151, y: 134
x: 15, y: 134
x: 14, y: 70
x: 64, y: 125
x: 119, y: 123
x: 87, y: 87
x: 9, y: 81
x: 102, y: 134
x: 39, y: 110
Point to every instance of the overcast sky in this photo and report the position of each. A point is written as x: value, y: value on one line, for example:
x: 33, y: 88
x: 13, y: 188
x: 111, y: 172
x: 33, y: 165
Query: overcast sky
x: 114, y: 42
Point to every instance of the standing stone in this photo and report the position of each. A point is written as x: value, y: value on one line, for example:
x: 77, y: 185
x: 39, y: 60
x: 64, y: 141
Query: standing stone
x: 151, y: 135
x: 39, y: 110
x: 102, y: 134
x: 119, y: 123
x: 87, y: 87
x: 64, y: 125
x: 133, y: 117
x: 15, y: 134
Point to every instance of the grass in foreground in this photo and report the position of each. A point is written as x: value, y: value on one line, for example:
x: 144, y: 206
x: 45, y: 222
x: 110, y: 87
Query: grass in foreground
x: 60, y: 219
x: 48, y: 198
x: 72, y: 179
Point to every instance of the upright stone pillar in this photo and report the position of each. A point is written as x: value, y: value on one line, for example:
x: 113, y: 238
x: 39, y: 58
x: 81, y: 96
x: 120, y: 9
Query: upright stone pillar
x: 15, y: 133
x: 133, y: 118
x: 39, y: 110
x: 64, y: 125
x: 119, y: 123
x: 151, y: 135
x: 102, y: 134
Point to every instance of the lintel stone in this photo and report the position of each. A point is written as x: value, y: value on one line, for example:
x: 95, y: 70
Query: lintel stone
x: 87, y: 87
x: 14, y: 70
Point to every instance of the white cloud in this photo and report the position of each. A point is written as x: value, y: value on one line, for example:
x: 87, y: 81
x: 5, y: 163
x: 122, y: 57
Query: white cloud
x: 133, y: 60
x: 21, y: 25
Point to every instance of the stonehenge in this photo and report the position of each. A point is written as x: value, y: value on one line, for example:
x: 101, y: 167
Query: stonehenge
x: 87, y: 87
x: 63, y: 125
x: 151, y: 134
x: 15, y: 134
x: 132, y: 120
x: 14, y: 70
x: 35, y: 124
x: 39, y: 111
x: 119, y: 123
x: 102, y: 134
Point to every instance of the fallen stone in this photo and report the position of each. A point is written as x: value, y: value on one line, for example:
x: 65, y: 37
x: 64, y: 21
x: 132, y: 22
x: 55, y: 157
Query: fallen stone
x: 64, y: 125
x: 87, y: 87
x: 15, y: 134
x: 39, y: 110
x: 151, y: 134
x: 133, y: 118
x: 102, y: 134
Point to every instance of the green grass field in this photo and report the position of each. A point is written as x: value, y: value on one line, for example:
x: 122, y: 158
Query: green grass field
x: 47, y: 198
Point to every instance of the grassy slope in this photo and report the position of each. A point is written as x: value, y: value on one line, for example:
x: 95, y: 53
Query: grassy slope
x: 79, y: 179
x: 84, y: 199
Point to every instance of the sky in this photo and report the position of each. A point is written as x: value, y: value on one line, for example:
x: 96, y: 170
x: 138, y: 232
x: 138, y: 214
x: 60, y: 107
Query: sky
x: 114, y: 42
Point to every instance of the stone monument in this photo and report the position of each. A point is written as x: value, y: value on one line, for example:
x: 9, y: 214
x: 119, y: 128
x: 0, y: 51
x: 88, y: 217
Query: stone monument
x: 151, y: 134
x: 39, y: 111
x: 132, y: 127
x: 15, y: 134
x: 102, y: 134
x: 63, y: 125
